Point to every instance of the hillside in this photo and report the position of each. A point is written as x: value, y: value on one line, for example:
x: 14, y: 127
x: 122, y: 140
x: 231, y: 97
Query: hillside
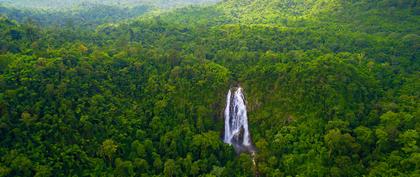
x: 87, y: 13
x: 68, y: 4
x: 88, y: 16
x: 331, y: 88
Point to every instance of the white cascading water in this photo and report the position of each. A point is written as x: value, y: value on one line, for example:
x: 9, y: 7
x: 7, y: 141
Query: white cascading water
x: 236, y: 120
x: 236, y: 125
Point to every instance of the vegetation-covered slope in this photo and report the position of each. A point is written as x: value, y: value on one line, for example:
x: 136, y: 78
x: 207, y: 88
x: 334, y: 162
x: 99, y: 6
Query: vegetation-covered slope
x: 86, y: 13
x: 66, y: 4
x: 88, y: 16
x: 331, y: 87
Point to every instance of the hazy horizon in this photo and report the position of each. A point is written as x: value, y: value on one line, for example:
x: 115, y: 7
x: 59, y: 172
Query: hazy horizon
x: 65, y: 4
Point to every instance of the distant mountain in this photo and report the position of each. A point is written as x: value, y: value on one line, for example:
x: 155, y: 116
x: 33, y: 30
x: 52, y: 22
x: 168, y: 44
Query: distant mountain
x: 65, y: 4
x: 86, y: 13
x: 86, y: 16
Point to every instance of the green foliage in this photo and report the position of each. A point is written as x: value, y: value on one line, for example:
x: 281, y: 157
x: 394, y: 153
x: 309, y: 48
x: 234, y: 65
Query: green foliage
x: 108, y: 148
x: 332, y: 89
x: 86, y: 16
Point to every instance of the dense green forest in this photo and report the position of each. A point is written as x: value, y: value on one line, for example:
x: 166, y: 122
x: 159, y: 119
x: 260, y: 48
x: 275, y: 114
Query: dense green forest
x: 332, y: 88
x: 65, y: 4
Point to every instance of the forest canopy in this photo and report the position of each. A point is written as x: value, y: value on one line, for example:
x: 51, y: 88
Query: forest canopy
x: 138, y: 88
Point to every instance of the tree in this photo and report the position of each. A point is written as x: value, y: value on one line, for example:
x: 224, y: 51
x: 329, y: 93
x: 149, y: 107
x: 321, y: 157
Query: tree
x: 123, y: 168
x: 108, y: 149
x: 169, y: 169
x: 409, y: 140
x: 340, y: 144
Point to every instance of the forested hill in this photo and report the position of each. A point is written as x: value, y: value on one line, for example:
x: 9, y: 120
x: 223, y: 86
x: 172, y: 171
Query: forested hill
x: 332, y: 89
x: 68, y: 4
x: 87, y: 16
x: 86, y: 13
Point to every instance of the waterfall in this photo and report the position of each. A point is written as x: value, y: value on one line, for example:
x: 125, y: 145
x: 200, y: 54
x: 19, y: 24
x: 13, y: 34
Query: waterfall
x: 236, y: 125
x: 236, y: 121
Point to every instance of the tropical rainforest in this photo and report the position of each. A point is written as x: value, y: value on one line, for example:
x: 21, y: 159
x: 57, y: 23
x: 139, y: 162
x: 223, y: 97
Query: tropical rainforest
x: 138, y: 88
